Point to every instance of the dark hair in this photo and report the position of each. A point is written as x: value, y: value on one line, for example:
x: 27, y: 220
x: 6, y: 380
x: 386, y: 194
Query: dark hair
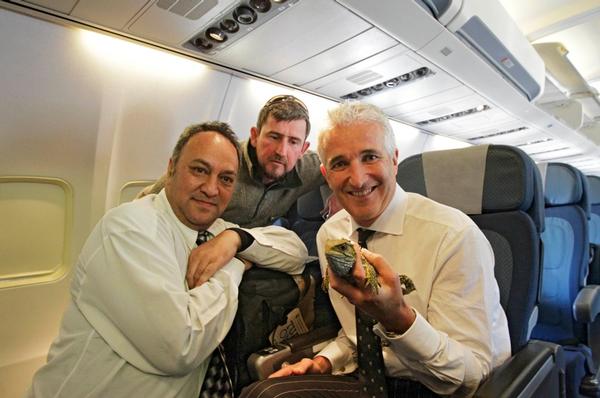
x: 216, y: 126
x: 284, y: 108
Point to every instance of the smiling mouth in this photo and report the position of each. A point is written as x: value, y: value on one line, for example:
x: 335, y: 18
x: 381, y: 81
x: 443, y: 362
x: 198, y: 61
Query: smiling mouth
x: 204, y: 202
x: 362, y: 192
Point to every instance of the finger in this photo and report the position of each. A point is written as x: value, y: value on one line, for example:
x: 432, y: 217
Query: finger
x: 357, y: 271
x: 203, y: 274
x: 379, y: 263
x: 191, y: 268
x: 346, y: 289
x: 281, y: 372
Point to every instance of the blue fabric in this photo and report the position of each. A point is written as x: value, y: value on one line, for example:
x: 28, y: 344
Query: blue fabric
x: 559, y: 286
x: 575, y: 366
x: 563, y: 185
x: 563, y: 275
x: 594, y: 228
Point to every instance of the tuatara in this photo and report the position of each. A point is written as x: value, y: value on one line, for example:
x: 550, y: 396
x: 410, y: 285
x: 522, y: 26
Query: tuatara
x: 341, y: 257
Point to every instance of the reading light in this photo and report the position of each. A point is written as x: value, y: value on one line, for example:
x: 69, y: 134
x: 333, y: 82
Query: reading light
x: 202, y: 43
x: 392, y: 82
x: 216, y: 34
x: 260, y: 5
x: 244, y: 15
x: 229, y: 25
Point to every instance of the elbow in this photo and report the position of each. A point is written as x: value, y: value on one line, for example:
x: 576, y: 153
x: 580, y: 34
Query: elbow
x: 176, y: 358
x: 171, y: 364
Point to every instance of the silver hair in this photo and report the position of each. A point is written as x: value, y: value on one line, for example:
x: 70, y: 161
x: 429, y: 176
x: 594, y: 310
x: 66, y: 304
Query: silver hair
x: 351, y: 112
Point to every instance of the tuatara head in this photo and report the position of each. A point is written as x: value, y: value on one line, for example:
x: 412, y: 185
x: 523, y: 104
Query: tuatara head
x: 341, y: 256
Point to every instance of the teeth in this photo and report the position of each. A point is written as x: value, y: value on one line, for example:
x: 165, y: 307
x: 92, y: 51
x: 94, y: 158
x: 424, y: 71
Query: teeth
x: 362, y: 193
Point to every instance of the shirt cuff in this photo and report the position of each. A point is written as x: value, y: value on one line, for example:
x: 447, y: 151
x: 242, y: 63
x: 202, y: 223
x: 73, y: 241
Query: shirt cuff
x: 420, y: 342
x: 339, y: 357
x: 245, y: 238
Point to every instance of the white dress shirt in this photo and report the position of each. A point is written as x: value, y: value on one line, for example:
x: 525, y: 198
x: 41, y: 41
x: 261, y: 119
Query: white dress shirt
x: 133, y: 329
x: 460, y: 333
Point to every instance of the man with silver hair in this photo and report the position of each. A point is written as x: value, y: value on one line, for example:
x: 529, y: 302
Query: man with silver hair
x: 439, y: 329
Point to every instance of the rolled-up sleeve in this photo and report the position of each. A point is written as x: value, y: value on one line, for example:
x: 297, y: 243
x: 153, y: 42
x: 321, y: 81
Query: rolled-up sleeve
x: 276, y: 248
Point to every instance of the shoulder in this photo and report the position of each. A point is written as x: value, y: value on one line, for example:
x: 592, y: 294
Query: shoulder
x: 139, y: 215
x: 308, y: 168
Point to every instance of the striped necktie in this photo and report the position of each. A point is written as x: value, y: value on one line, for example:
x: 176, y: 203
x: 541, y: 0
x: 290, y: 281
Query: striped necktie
x: 370, y: 359
x: 217, y: 383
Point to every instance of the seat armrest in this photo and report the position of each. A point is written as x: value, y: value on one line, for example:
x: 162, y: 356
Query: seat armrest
x: 268, y: 360
x: 525, y: 372
x: 587, y: 304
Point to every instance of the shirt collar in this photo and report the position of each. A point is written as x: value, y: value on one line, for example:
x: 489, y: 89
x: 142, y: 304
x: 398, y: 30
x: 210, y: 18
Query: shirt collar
x: 189, y: 235
x: 391, y: 221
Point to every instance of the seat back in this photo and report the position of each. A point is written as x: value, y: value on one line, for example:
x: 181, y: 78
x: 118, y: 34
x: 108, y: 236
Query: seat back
x: 309, y: 216
x: 508, y: 207
x: 566, y: 253
x: 594, y: 228
x: 594, y: 199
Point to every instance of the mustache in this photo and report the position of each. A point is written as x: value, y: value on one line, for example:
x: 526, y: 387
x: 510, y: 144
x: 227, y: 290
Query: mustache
x: 204, y: 198
x: 278, y: 158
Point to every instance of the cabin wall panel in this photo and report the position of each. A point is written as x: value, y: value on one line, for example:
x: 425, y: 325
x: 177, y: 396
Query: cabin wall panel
x: 99, y: 119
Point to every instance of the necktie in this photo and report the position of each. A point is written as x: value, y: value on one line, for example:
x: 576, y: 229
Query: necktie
x: 217, y: 383
x: 370, y: 359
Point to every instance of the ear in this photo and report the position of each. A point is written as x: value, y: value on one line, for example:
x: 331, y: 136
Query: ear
x: 254, y: 133
x: 170, y: 168
x: 305, y: 146
x: 395, y: 161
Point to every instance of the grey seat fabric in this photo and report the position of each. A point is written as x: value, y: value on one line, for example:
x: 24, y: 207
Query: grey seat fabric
x: 511, y: 217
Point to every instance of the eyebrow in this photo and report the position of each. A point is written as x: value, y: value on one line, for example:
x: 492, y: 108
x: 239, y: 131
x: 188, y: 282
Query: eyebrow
x: 210, y: 168
x: 362, y: 153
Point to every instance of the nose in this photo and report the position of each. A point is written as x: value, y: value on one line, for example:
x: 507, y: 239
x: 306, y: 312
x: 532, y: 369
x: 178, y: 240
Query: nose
x: 357, y: 174
x: 211, y: 186
x: 281, y: 148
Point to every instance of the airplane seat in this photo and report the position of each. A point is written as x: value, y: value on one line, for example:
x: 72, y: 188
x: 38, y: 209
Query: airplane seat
x: 309, y: 216
x: 500, y: 188
x: 594, y: 224
x: 311, y: 209
x: 568, y: 307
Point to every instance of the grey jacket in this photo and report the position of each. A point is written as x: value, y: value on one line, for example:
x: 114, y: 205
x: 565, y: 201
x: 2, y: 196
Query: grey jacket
x: 254, y: 204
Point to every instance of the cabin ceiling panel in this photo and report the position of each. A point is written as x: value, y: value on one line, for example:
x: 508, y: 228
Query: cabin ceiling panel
x: 348, y: 52
x: 64, y: 6
x: 168, y: 27
x: 377, y: 69
x: 111, y: 13
x: 514, y: 133
x: 455, y: 99
x: 301, y: 32
x: 471, y: 124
